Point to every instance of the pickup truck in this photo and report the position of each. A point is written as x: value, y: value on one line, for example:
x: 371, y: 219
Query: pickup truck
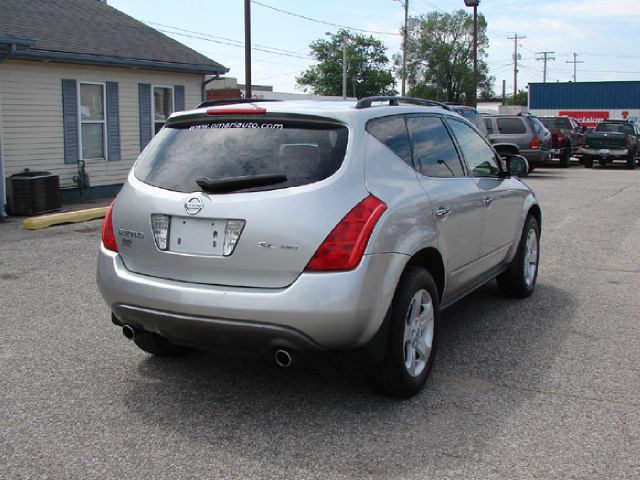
x: 567, y: 138
x: 612, y: 140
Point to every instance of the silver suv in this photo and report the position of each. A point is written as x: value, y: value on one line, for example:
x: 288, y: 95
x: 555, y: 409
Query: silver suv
x: 521, y: 134
x: 289, y: 228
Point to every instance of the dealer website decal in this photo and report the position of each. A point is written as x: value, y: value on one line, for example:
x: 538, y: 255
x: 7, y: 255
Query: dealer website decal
x: 251, y: 125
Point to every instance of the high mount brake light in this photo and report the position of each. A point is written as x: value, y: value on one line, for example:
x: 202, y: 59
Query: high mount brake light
x: 237, y: 111
x: 108, y: 235
x: 343, y: 248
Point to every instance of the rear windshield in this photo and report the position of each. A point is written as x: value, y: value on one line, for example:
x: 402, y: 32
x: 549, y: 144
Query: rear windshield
x: 555, y: 122
x: 538, y: 127
x: 179, y: 155
x: 613, y: 127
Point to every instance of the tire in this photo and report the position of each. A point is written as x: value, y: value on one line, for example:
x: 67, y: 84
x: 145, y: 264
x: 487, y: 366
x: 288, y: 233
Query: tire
x: 631, y: 161
x: 565, y: 158
x: 411, y: 344
x: 519, y: 279
x: 587, y: 161
x: 158, y: 345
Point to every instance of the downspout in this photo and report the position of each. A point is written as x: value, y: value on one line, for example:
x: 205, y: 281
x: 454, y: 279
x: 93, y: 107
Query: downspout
x: 203, y: 87
x: 3, y: 195
x: 12, y: 50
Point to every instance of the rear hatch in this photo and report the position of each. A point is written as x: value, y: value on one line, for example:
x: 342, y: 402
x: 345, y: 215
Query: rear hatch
x: 607, y: 135
x: 240, y: 198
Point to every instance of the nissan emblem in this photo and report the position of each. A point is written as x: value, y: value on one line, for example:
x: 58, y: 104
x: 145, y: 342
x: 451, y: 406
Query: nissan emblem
x: 193, y: 206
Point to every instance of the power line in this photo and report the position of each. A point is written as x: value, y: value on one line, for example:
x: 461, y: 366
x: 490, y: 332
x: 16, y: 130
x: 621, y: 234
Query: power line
x: 546, y: 56
x: 575, y: 62
x: 200, y: 37
x: 322, y: 21
x: 178, y: 29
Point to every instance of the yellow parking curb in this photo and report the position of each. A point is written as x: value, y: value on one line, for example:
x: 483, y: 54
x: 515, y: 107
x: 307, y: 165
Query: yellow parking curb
x: 44, y: 221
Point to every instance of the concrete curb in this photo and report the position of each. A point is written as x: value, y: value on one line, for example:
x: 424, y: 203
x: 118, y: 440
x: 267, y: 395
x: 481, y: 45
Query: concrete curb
x: 45, y: 221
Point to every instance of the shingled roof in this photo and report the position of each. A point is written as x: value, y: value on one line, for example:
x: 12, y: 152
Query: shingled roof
x: 92, y: 32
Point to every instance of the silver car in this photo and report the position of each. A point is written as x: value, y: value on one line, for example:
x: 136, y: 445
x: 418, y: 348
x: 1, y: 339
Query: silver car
x: 288, y: 228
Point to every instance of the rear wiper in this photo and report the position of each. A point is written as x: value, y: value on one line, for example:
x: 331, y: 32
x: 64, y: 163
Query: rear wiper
x: 231, y: 184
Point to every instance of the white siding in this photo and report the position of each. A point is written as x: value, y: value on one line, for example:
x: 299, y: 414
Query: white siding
x: 31, y: 113
x: 629, y: 113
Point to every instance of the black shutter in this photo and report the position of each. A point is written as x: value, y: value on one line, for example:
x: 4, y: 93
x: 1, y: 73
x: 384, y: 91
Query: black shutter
x: 144, y: 102
x: 113, y: 122
x: 70, y: 120
x: 178, y: 96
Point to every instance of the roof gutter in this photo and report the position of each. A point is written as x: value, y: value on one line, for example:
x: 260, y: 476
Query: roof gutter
x: 14, y: 44
x: 82, y: 58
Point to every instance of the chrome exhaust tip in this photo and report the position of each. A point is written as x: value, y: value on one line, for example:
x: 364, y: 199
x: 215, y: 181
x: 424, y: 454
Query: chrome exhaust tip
x: 129, y: 332
x: 283, y: 358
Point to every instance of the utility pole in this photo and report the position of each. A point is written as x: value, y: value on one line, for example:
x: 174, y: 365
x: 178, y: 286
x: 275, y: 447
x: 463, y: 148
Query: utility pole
x: 344, y: 66
x: 515, y: 39
x: 405, y: 34
x: 545, y: 57
x: 247, y: 48
x: 575, y: 62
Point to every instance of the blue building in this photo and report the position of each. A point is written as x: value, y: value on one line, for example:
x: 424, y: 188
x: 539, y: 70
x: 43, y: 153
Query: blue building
x: 587, y: 102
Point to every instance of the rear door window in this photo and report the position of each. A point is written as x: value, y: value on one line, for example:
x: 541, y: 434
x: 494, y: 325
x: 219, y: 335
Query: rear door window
x: 303, y: 152
x: 434, y: 150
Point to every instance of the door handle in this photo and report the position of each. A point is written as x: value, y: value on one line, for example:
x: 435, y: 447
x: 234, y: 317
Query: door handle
x: 442, y: 211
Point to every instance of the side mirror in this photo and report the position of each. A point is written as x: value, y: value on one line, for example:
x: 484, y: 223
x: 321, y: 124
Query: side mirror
x: 517, y: 165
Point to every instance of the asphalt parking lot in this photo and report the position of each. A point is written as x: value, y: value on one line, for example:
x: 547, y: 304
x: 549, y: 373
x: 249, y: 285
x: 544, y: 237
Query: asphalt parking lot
x: 546, y: 387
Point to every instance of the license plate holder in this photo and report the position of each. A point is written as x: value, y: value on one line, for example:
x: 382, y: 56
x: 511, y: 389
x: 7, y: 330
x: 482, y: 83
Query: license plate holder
x: 197, y: 236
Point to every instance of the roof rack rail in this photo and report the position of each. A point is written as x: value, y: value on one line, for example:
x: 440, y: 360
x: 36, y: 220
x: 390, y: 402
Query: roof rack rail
x: 233, y: 101
x: 366, y: 102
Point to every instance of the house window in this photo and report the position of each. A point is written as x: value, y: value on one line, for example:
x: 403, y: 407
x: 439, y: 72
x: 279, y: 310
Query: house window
x: 92, y: 120
x: 162, y: 106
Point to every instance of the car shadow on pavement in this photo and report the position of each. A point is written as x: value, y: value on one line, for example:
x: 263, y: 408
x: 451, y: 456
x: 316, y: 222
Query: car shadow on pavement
x: 494, y: 354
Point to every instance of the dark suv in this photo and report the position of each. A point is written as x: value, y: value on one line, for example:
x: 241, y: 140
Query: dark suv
x: 566, y: 135
x: 521, y: 134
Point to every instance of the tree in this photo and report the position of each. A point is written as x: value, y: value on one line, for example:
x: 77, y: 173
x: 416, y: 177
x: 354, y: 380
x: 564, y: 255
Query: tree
x: 368, y: 69
x: 521, y: 98
x: 440, y: 57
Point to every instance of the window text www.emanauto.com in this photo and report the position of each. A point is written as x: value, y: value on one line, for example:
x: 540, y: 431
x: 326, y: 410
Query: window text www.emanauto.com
x: 275, y: 126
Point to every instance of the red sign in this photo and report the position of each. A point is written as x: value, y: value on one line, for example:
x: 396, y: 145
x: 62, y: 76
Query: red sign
x: 588, y: 119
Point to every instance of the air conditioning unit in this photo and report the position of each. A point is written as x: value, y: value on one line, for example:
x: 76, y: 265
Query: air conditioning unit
x: 31, y: 193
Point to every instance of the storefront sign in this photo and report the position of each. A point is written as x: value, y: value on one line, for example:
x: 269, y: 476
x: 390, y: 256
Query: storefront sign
x: 587, y: 119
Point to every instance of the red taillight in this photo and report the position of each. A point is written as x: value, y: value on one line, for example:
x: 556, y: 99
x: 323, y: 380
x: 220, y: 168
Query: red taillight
x: 344, y: 246
x: 237, y: 111
x: 629, y: 142
x: 535, y: 143
x: 560, y: 138
x: 108, y: 236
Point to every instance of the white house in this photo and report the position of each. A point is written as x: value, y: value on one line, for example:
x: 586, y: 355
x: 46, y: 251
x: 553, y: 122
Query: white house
x: 81, y: 81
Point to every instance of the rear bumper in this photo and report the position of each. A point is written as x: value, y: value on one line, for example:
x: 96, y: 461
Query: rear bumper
x: 319, y: 311
x: 536, y: 157
x: 606, y: 152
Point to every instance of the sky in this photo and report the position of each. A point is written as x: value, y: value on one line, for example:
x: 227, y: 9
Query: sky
x: 602, y: 33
